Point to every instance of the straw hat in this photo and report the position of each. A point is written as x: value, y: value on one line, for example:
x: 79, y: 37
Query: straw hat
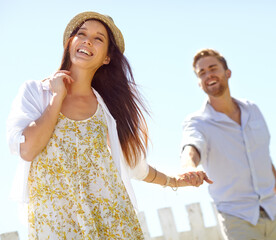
x: 82, y: 17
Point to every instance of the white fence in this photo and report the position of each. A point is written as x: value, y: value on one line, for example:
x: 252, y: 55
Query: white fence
x: 198, y: 230
x: 9, y: 236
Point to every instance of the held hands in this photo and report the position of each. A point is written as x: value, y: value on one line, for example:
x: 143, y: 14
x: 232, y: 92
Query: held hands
x: 192, y: 178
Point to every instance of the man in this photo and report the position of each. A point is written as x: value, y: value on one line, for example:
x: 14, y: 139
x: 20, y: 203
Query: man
x: 229, y: 137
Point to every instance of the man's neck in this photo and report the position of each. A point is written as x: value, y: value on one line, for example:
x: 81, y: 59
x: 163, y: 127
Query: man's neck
x: 227, y: 105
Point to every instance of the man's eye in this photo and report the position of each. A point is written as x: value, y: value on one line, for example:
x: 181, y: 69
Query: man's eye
x: 201, y: 74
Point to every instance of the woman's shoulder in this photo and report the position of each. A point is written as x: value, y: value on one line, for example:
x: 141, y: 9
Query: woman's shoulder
x: 34, y: 86
x: 102, y: 103
x: 30, y: 85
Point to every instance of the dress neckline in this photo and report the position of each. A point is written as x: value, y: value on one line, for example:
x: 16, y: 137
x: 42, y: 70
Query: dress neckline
x: 82, y: 120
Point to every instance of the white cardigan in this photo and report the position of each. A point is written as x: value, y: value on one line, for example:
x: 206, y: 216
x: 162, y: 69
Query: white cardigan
x: 30, y: 103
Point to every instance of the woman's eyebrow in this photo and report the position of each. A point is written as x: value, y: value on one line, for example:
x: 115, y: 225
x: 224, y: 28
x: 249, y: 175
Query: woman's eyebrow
x: 100, y: 33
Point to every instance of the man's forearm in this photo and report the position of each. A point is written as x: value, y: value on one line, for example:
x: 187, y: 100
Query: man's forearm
x: 190, y: 157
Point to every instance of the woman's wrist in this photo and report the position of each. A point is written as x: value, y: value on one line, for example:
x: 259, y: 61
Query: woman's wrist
x: 171, y: 182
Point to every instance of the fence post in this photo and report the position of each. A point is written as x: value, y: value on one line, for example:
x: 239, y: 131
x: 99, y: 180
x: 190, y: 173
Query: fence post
x: 9, y: 236
x: 196, y: 221
x: 168, y: 224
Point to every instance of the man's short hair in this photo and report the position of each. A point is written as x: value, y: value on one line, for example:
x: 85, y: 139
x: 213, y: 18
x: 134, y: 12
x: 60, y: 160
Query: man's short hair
x: 207, y: 52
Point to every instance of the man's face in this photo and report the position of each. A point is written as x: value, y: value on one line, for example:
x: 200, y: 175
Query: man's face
x: 213, y: 78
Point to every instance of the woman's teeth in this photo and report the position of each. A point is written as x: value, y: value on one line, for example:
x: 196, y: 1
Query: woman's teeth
x: 85, y: 52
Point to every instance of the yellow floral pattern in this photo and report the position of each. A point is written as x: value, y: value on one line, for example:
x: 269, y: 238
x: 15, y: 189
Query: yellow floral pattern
x: 75, y: 189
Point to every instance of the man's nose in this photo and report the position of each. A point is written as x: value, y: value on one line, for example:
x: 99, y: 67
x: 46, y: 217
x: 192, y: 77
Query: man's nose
x: 209, y: 74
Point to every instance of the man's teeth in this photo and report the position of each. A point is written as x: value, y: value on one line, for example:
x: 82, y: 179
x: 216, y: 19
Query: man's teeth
x: 85, y: 52
x: 211, y: 83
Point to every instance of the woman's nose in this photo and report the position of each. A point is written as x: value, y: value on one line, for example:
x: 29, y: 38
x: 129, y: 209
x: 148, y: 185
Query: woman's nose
x: 87, y: 41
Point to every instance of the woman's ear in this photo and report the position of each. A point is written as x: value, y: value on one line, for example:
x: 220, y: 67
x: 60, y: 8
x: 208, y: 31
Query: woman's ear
x: 106, y: 60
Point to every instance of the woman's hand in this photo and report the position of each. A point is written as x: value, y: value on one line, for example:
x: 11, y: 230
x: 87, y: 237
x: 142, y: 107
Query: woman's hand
x: 39, y: 131
x: 193, y: 178
x: 59, y: 83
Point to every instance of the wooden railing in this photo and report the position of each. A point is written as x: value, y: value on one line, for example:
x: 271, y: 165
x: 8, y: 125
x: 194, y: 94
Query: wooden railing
x: 198, y: 230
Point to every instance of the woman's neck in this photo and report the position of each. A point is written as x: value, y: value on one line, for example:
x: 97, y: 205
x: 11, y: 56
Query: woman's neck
x: 82, y: 82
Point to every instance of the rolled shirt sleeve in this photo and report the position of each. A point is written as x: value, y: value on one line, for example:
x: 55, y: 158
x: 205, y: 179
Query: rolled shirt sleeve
x: 193, y: 135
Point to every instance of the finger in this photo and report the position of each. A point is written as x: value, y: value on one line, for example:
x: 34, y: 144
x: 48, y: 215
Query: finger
x: 182, y: 175
x: 185, y: 177
x: 199, y: 180
x: 64, y: 71
x: 201, y: 175
x: 206, y: 179
x: 45, y: 79
x: 68, y: 79
x: 59, y: 72
x: 194, y: 175
x: 193, y: 178
x: 64, y: 75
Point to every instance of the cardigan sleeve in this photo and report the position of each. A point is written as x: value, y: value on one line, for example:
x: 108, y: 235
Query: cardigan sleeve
x: 140, y: 171
x: 26, y: 108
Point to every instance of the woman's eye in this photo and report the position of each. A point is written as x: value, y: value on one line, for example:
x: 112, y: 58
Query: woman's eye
x: 81, y: 34
x: 97, y: 38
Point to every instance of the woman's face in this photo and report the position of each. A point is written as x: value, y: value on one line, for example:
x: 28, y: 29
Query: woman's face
x: 89, y: 46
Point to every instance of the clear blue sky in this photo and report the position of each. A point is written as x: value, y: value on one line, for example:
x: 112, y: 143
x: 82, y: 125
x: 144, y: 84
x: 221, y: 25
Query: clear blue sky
x: 161, y: 38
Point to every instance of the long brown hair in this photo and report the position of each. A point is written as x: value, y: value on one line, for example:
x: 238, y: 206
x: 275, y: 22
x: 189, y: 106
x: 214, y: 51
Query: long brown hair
x: 116, y: 85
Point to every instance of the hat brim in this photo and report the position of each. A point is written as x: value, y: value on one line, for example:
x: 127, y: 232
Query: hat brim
x: 82, y: 17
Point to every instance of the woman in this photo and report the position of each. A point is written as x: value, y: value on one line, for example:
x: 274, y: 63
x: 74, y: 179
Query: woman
x: 80, y: 144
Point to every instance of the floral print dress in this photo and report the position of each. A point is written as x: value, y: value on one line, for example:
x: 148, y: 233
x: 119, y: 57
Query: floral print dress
x: 75, y: 189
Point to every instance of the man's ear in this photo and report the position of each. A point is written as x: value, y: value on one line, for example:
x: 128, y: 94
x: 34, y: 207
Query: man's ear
x: 228, y: 73
x: 106, y: 60
x: 199, y: 83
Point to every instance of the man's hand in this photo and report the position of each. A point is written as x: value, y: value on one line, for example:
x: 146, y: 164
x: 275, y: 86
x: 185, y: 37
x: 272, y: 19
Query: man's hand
x: 193, y: 178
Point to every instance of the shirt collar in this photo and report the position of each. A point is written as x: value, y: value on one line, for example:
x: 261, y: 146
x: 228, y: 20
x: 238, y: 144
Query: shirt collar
x: 209, y: 112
